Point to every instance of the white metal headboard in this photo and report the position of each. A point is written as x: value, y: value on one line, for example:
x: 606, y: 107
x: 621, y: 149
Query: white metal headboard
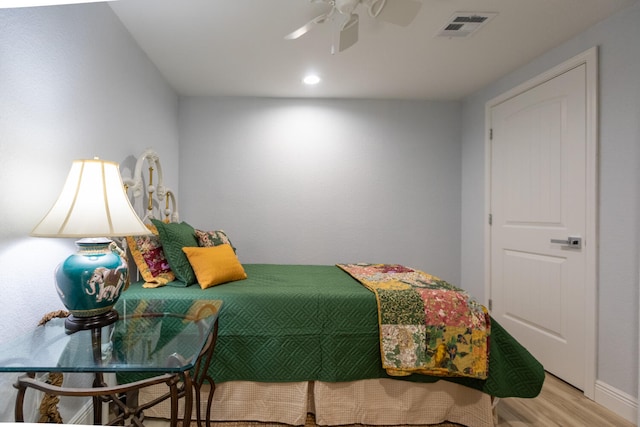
x: 156, y: 195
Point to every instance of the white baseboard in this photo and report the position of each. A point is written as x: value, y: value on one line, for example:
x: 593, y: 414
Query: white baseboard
x: 84, y: 416
x: 617, y: 401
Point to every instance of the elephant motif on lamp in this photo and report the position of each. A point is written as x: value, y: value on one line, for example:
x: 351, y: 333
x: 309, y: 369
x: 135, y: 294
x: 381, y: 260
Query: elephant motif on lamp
x: 90, y: 281
x: 108, y: 281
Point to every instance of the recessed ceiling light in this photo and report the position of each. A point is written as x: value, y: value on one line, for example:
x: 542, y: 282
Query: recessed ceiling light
x: 311, y: 79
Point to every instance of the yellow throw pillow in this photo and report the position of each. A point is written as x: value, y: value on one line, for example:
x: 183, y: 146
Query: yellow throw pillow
x: 215, y: 264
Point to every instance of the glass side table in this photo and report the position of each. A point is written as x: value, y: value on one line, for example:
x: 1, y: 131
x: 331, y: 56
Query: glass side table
x: 153, y: 342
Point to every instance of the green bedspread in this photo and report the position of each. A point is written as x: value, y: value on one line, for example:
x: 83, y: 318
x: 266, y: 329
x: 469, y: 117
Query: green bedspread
x: 299, y: 323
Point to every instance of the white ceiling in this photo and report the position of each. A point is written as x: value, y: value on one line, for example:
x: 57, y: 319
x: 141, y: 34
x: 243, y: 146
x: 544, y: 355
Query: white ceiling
x: 6, y: 4
x: 236, y: 47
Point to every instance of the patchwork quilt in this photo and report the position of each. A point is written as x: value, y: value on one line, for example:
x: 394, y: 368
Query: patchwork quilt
x: 427, y: 326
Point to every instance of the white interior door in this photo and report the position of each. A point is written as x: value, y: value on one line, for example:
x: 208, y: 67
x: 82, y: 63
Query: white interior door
x: 538, y: 200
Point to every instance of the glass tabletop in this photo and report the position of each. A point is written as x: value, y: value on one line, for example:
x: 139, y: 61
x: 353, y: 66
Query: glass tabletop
x: 159, y: 336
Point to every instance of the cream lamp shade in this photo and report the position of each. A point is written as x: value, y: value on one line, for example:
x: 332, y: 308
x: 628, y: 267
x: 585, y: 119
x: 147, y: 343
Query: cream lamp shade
x: 93, y: 206
x: 93, y: 203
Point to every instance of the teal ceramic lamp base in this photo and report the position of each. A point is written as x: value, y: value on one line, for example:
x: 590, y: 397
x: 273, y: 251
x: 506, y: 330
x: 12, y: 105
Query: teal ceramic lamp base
x: 89, y: 283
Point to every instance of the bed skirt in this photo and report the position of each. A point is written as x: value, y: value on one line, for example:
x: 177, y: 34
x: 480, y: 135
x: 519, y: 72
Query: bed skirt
x: 373, y: 402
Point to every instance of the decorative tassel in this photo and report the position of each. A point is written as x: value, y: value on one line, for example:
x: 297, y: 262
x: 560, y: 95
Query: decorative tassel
x: 49, y: 406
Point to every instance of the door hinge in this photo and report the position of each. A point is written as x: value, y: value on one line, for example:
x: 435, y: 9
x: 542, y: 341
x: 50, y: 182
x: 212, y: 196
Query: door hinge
x: 490, y: 304
x: 490, y: 219
x: 491, y: 134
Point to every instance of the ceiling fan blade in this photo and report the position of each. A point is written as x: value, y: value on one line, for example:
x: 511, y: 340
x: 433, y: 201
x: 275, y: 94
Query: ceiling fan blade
x: 349, y: 33
x: 308, y: 26
x: 399, y: 12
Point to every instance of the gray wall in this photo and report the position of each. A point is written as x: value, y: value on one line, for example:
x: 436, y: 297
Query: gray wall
x: 73, y: 84
x: 618, y: 39
x: 326, y: 181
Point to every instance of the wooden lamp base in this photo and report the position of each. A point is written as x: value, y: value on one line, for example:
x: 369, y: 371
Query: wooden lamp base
x: 75, y: 324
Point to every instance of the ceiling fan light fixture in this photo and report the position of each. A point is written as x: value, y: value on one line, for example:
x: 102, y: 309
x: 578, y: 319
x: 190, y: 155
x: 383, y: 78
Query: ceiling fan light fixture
x: 399, y: 12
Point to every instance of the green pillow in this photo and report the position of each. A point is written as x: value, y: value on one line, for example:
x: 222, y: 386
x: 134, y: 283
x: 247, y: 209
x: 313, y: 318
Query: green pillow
x: 175, y: 236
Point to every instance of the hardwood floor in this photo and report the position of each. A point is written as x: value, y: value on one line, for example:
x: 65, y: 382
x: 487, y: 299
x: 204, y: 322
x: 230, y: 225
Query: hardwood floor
x: 559, y: 404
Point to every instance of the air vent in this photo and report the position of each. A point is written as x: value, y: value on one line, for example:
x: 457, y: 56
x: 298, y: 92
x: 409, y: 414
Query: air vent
x: 463, y: 24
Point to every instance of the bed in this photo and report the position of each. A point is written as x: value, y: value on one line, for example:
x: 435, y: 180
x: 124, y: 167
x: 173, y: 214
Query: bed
x: 300, y: 339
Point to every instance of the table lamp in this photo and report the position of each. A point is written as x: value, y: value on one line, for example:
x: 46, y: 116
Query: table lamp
x: 92, y: 206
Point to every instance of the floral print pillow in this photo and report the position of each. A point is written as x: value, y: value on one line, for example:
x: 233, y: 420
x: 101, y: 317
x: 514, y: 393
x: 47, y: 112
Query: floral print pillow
x: 149, y: 256
x: 213, y: 238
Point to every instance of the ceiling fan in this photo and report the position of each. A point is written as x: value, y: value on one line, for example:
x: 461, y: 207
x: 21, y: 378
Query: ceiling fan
x: 399, y: 12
